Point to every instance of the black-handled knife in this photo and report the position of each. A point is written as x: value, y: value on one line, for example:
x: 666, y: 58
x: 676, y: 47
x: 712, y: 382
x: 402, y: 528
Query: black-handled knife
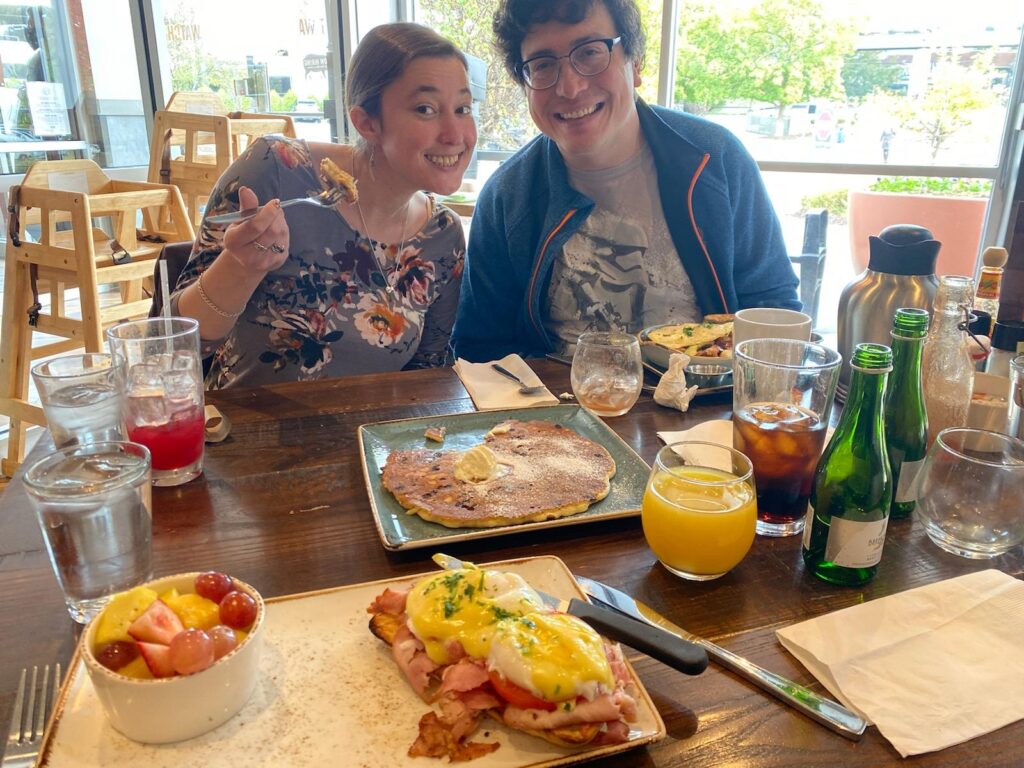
x: 668, y: 649
x: 829, y: 713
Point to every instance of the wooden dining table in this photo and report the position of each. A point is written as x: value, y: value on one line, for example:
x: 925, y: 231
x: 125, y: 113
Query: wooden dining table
x: 283, y: 505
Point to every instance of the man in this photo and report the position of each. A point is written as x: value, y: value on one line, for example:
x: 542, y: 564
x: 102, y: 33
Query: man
x: 620, y: 215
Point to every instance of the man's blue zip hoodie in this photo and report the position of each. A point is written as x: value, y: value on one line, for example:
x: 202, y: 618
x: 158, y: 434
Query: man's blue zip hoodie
x: 716, y: 208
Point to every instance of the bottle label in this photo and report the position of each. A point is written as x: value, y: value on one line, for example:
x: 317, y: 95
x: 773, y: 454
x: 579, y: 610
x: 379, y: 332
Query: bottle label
x: 906, y: 490
x: 988, y: 285
x: 855, y: 544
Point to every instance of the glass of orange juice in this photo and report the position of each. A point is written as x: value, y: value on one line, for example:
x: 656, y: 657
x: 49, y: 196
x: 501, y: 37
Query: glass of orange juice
x: 700, y: 509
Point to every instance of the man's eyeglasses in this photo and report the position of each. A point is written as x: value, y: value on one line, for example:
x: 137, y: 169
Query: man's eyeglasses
x: 589, y: 59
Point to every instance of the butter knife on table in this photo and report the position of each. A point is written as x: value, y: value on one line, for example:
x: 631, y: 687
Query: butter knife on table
x: 667, y: 648
x: 829, y: 713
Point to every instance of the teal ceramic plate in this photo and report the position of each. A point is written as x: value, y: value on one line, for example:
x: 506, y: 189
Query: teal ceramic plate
x: 400, y: 530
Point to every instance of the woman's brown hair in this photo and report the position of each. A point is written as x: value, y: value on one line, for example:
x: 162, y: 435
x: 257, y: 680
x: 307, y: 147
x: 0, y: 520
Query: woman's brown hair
x: 382, y: 56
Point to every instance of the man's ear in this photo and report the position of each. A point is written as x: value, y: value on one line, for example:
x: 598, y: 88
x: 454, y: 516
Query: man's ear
x: 637, y: 79
x: 368, y: 127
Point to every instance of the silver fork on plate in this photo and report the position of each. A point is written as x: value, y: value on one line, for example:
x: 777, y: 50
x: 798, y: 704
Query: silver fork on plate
x: 33, y: 705
x: 328, y: 198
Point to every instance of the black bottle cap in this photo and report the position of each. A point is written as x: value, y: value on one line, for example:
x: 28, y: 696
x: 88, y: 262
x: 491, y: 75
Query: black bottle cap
x: 903, y: 249
x: 981, y: 322
x: 1008, y: 334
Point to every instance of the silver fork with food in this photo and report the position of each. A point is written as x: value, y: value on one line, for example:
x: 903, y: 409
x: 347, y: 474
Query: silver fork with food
x: 338, y: 186
x: 33, y: 705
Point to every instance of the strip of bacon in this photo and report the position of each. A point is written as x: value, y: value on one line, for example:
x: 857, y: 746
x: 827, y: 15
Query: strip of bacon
x: 436, y: 740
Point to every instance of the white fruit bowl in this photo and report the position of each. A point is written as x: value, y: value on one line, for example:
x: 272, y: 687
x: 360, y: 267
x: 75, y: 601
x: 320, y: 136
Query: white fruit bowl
x: 183, y: 707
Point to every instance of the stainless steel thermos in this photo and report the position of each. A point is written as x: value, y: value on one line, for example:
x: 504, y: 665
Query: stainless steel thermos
x: 900, y: 273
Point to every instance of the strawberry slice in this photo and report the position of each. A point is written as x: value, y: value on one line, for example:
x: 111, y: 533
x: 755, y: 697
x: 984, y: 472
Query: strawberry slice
x: 159, y: 624
x: 157, y: 658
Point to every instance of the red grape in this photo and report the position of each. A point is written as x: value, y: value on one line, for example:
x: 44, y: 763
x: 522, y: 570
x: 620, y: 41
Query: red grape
x: 224, y: 640
x: 117, y: 654
x: 191, y: 651
x: 237, y: 610
x: 213, y: 585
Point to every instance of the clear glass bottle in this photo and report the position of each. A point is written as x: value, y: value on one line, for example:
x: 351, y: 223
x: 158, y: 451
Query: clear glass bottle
x: 849, y: 507
x: 906, y: 420
x: 947, y: 372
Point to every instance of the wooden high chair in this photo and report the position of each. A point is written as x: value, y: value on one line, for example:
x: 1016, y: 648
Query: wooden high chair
x: 195, y: 139
x: 70, y: 201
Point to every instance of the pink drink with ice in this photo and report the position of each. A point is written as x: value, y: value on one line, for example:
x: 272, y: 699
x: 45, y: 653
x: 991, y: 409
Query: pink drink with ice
x: 175, y: 444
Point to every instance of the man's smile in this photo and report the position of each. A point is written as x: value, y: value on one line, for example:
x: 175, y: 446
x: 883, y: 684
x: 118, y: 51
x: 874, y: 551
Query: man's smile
x: 579, y: 113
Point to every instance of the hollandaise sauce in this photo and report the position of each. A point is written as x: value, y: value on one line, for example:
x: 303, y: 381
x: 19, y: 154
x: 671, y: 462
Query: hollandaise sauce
x: 499, y: 618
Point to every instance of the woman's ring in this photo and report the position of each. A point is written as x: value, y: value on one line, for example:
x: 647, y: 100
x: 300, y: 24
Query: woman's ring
x: 278, y: 249
x: 260, y: 246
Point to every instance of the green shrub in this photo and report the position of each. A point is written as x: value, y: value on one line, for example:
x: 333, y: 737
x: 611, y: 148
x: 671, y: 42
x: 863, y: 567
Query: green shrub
x: 933, y: 186
x: 834, y: 202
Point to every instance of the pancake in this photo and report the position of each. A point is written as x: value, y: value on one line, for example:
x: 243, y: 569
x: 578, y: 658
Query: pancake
x: 545, y: 471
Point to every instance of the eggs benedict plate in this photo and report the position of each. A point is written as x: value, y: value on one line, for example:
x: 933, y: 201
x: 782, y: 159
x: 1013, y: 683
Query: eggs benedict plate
x: 479, y: 643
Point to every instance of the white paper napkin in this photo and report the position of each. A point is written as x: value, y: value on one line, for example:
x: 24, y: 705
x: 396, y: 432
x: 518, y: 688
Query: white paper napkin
x: 714, y: 431
x: 672, y: 391
x: 931, y: 667
x: 492, y: 391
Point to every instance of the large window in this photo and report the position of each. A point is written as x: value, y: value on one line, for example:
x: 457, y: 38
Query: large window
x: 257, y: 55
x: 64, y: 91
x: 836, y: 102
x: 880, y: 112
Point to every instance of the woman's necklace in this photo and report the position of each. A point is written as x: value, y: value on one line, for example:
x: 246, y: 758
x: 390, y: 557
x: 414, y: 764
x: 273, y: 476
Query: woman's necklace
x: 370, y: 242
x: 373, y: 246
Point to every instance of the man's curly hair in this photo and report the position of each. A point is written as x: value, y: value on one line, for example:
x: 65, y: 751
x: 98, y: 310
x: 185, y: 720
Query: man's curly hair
x: 514, y: 18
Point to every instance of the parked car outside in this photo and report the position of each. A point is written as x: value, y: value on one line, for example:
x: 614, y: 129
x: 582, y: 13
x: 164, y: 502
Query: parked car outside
x: 308, y: 111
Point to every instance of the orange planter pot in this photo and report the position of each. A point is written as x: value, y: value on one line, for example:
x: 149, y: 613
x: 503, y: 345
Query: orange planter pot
x: 956, y: 222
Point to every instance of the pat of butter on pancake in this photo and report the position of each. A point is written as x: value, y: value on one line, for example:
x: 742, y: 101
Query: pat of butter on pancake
x: 477, y: 465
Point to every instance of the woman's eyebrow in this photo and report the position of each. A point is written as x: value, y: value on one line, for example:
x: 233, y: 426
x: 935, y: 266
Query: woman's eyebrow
x: 432, y: 90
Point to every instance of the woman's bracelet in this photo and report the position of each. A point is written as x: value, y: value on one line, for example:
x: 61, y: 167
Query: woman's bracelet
x: 214, y: 307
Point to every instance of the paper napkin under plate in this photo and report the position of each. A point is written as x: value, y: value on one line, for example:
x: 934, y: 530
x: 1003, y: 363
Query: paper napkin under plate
x: 491, y: 391
x: 931, y: 667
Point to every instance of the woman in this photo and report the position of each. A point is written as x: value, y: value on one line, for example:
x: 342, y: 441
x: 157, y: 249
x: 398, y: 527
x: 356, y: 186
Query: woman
x: 360, y: 287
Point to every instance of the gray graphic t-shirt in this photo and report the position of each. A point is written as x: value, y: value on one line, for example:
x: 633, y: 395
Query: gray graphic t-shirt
x: 620, y: 271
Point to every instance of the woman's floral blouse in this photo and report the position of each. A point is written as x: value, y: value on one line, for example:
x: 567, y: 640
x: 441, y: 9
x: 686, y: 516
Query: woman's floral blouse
x: 326, y: 311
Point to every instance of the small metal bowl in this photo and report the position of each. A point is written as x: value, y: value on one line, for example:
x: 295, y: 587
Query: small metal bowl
x: 707, y: 375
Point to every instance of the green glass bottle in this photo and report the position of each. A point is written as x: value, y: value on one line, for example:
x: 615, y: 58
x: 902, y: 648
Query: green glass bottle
x: 906, y: 419
x: 849, y: 507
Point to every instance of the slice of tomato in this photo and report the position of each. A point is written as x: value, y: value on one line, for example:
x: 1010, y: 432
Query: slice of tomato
x: 518, y: 696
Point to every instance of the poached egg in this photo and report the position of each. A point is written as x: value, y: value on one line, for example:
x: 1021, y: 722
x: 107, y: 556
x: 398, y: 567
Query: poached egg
x: 502, y: 621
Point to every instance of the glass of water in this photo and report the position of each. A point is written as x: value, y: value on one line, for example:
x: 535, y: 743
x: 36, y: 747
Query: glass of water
x: 94, y: 507
x: 81, y: 397
x: 969, y: 491
x: 607, y: 372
